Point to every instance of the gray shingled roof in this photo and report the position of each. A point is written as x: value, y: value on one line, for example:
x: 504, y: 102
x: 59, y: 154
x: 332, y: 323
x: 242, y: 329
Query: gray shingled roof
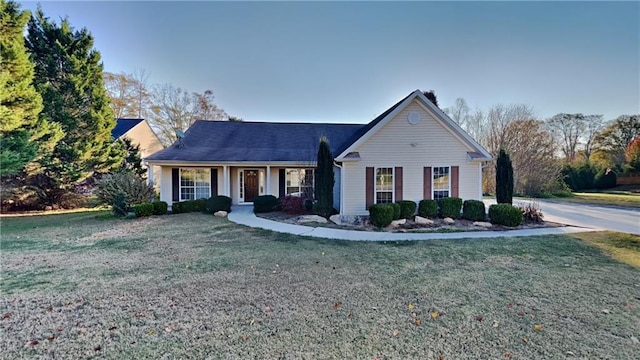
x: 226, y: 141
x: 124, y: 125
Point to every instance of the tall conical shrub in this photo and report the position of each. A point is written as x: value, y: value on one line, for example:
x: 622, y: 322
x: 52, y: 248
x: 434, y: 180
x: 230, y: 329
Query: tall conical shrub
x: 504, y: 179
x: 324, y: 179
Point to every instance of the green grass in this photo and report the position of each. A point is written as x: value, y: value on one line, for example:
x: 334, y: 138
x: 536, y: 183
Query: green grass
x: 212, y: 280
x: 604, y: 198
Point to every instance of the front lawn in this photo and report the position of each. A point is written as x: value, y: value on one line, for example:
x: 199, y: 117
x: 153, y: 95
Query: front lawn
x: 194, y: 286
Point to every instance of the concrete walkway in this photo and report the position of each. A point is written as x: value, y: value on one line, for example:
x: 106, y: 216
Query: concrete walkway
x: 243, y: 214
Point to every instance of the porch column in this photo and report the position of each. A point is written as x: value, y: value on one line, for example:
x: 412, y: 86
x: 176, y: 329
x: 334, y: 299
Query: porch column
x: 225, y: 180
x: 268, y: 181
x: 149, y: 174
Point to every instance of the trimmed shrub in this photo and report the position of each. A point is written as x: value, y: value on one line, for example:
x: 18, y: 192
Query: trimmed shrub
x: 505, y: 214
x: 188, y: 206
x: 308, y: 205
x: 180, y: 207
x: 381, y: 215
x: 474, y: 210
x: 450, y: 207
x: 159, y: 207
x: 218, y: 203
x: 142, y: 210
x: 428, y: 208
x: 292, y: 204
x: 199, y: 205
x: 396, y: 210
x: 264, y: 203
x: 407, y: 208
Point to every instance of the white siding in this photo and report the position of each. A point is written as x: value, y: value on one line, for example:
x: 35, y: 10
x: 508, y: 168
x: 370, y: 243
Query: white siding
x: 412, y: 147
x: 336, y: 187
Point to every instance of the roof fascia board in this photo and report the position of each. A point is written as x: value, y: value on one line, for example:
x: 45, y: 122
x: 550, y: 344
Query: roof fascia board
x: 296, y: 164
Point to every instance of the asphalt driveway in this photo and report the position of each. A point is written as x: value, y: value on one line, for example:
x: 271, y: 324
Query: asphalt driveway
x: 620, y: 219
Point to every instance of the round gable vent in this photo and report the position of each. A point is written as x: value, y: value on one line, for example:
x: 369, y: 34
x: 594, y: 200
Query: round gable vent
x: 413, y: 117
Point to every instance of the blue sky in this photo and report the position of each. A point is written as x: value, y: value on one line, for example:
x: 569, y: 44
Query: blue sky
x: 348, y: 62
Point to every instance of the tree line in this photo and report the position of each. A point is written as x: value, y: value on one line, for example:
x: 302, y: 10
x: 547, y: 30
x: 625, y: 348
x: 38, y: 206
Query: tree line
x: 547, y: 154
x: 58, y: 108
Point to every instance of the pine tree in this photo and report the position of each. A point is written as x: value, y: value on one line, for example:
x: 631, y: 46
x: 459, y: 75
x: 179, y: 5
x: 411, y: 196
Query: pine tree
x: 22, y: 135
x: 504, y: 179
x: 68, y: 76
x: 324, y: 179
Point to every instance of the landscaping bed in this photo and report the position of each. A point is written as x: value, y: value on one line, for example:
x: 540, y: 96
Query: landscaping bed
x: 439, y: 225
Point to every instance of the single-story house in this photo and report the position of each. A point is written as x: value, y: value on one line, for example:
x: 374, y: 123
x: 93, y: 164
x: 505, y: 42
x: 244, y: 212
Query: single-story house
x: 412, y: 151
x: 140, y: 134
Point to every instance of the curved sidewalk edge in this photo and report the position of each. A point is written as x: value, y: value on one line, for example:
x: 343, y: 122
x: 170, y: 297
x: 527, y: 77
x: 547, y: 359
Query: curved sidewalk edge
x: 244, y: 215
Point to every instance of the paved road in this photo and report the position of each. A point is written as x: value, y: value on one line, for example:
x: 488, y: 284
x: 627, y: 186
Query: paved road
x: 589, y: 216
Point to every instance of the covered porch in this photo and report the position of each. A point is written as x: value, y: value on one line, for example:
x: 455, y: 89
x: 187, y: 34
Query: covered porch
x: 242, y: 182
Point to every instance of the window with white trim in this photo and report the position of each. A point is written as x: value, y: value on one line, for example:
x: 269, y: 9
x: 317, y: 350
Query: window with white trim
x: 441, y: 182
x: 384, y: 185
x: 300, y: 182
x: 195, y: 184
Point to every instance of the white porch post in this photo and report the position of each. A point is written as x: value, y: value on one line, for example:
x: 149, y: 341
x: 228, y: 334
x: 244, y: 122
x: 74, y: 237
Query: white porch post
x: 225, y: 180
x: 268, y: 182
x: 149, y: 174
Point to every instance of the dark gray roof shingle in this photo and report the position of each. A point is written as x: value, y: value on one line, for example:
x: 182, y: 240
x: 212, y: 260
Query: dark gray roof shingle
x: 226, y: 141
x: 124, y: 125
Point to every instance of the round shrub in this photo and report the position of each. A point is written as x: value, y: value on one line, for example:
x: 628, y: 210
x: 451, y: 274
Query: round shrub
x: 292, y: 204
x: 199, y: 205
x: 407, y: 208
x: 473, y: 210
x: 381, y: 215
x: 450, y: 207
x: 505, y: 214
x: 142, y: 210
x: 218, y: 203
x: 428, y: 208
x: 264, y: 203
x: 159, y: 207
x: 396, y: 210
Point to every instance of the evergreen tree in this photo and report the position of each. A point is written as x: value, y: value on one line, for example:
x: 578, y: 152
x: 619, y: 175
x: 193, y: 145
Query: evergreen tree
x: 21, y: 133
x: 68, y: 76
x: 132, y: 162
x: 324, y: 179
x: 504, y: 179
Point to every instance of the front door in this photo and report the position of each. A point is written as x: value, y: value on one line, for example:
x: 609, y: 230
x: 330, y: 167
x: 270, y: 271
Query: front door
x: 250, y: 185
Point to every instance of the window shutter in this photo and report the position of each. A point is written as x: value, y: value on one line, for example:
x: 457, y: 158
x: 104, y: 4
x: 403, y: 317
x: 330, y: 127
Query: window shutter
x: 175, y: 184
x: 214, y: 181
x: 427, y: 183
x: 370, y: 187
x: 398, y: 181
x: 454, y: 181
x: 282, y: 190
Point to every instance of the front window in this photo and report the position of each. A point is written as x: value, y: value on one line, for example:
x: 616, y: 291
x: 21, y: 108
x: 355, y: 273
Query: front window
x: 300, y: 182
x: 441, y: 182
x: 195, y: 184
x: 384, y: 185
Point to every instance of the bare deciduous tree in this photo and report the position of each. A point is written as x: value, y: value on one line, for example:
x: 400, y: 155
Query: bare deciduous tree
x: 176, y: 109
x: 459, y: 112
x: 129, y: 94
x: 594, y: 125
x: 568, y: 130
